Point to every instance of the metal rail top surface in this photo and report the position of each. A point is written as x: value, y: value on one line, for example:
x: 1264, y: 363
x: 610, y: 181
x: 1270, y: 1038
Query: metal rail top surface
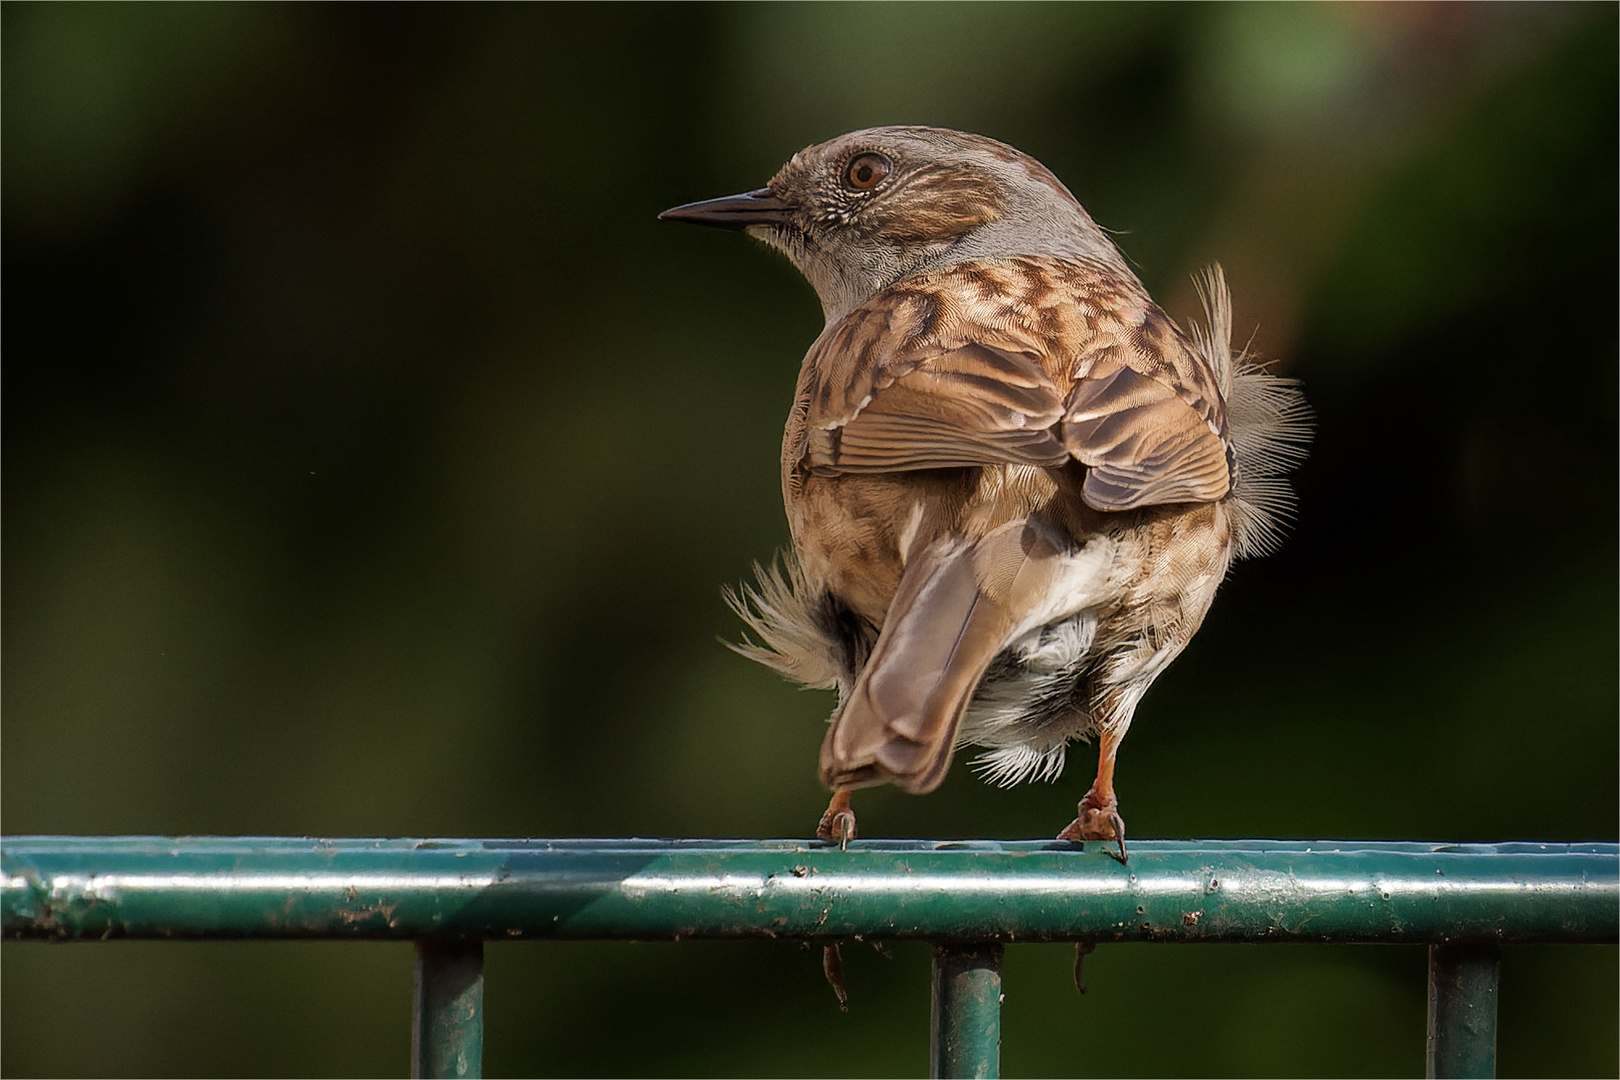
x: 79, y: 888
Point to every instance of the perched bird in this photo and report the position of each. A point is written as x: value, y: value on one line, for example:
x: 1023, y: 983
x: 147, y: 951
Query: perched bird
x: 1013, y: 482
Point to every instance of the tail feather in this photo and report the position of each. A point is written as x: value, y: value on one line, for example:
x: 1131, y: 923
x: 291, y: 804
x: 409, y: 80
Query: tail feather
x: 957, y: 607
x: 899, y: 723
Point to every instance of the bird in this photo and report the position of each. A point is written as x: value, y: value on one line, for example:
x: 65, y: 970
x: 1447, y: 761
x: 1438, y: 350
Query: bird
x: 1013, y: 483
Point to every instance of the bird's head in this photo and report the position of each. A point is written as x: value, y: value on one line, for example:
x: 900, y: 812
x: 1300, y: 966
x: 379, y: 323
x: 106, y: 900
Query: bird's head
x: 871, y: 208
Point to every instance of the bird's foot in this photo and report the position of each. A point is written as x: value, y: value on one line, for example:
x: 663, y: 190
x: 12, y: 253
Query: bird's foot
x: 837, y: 826
x: 832, y: 966
x: 1082, y: 949
x: 1098, y: 820
x: 838, y: 823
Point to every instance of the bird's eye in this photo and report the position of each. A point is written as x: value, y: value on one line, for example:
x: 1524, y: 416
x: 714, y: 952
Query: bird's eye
x: 867, y: 171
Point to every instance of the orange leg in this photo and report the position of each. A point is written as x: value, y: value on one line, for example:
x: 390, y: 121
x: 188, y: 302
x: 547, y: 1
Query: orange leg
x: 1099, y: 811
x: 838, y: 823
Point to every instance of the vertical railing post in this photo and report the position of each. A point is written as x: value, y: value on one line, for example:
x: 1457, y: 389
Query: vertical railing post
x: 1462, y: 1009
x: 447, y: 1025
x: 965, y: 1029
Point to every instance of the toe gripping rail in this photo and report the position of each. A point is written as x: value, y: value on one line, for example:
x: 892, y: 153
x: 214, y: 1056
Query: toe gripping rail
x: 968, y: 898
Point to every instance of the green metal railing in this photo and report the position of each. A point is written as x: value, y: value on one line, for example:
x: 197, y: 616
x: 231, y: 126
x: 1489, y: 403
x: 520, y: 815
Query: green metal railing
x: 970, y: 898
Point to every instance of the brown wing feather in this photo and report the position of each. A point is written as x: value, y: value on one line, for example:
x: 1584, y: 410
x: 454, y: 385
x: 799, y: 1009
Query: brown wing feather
x: 1144, y: 444
x: 970, y: 406
x: 929, y: 375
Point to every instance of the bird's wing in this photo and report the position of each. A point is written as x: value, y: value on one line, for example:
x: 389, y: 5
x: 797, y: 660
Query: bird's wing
x: 913, y: 380
x: 1144, y: 443
x: 882, y: 399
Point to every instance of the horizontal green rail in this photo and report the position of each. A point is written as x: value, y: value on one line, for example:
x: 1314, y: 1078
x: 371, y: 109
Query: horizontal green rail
x: 968, y: 897
x: 1222, y: 891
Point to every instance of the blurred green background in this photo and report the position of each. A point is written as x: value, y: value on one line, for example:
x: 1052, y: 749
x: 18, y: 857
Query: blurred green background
x: 372, y: 460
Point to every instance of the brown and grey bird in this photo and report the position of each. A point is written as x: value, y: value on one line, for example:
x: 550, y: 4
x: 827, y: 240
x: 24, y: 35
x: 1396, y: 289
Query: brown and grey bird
x: 1013, y: 483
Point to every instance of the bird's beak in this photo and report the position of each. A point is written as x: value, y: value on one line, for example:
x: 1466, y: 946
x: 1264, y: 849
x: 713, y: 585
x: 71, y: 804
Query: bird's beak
x: 760, y: 207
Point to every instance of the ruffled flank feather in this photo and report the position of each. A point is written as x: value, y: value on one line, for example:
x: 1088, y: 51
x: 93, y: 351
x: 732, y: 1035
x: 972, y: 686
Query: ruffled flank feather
x: 1268, y: 423
x: 792, y: 640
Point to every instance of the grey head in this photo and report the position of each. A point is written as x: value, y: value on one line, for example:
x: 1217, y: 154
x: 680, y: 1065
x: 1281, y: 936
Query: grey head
x: 863, y: 211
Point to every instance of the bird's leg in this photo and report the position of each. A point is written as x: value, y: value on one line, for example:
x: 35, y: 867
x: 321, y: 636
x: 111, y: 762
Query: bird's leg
x: 1098, y: 817
x: 838, y: 823
x: 837, y: 826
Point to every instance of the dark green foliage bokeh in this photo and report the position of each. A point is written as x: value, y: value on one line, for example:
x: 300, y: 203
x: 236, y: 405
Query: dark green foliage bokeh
x: 373, y: 459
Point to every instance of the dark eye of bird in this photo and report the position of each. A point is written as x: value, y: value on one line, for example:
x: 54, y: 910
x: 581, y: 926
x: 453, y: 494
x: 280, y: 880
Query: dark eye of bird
x: 867, y: 171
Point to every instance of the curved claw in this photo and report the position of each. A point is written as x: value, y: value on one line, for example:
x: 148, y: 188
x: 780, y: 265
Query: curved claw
x: 837, y: 828
x: 1082, y: 949
x: 1098, y: 820
x: 1118, y: 824
x: 832, y: 966
x: 837, y: 825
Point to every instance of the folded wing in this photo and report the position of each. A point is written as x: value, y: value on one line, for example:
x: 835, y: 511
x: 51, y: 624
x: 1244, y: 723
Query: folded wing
x: 899, y: 385
x: 1143, y: 443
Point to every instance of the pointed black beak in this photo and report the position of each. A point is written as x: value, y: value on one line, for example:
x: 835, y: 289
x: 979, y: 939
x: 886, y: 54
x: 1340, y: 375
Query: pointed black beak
x: 760, y: 207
